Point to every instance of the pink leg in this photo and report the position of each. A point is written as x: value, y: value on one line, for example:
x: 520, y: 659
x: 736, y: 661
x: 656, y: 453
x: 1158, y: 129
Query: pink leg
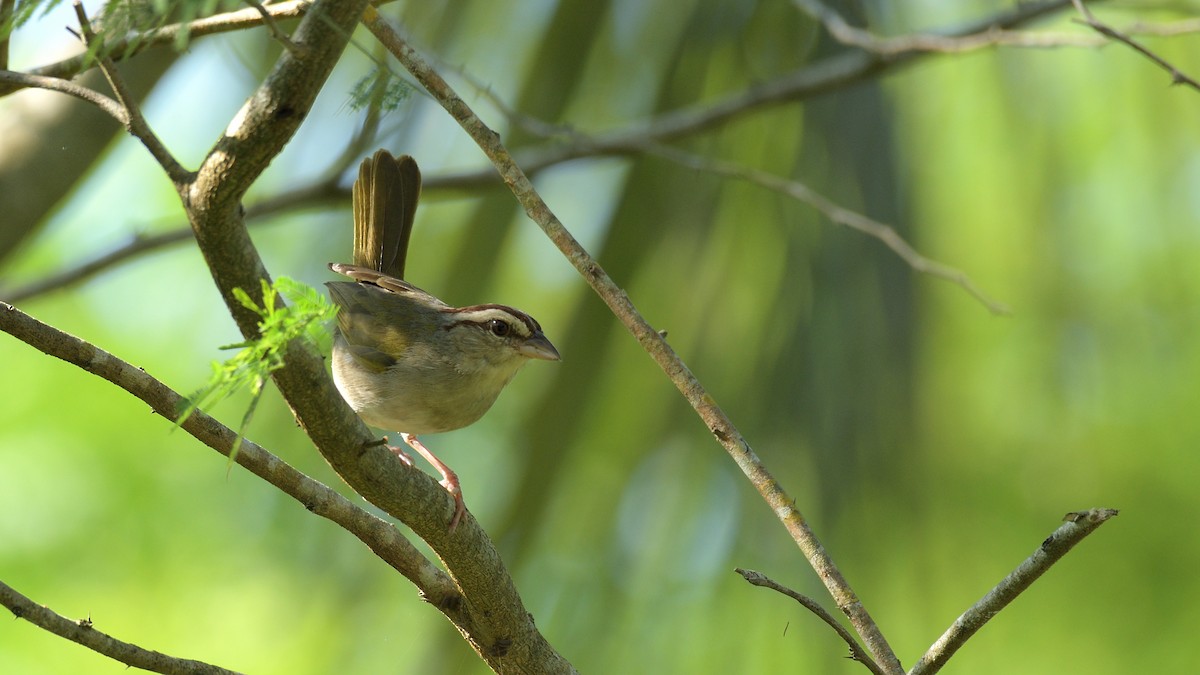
x: 449, y: 478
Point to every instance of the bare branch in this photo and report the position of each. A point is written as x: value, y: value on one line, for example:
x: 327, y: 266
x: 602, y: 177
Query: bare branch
x: 382, y: 537
x: 135, y: 123
x: 655, y: 345
x: 273, y: 27
x: 104, y: 103
x: 839, y: 215
x: 1089, y: 19
x: 1079, y: 525
x: 985, y: 33
x: 124, y: 48
x: 85, y: 633
x: 856, y: 651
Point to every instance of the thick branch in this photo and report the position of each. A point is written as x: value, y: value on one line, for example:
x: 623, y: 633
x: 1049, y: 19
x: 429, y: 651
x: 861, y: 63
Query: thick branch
x: 490, y: 615
x: 1079, y: 525
x: 655, y: 345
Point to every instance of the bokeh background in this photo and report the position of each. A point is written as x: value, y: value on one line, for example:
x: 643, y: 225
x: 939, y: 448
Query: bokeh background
x: 931, y: 444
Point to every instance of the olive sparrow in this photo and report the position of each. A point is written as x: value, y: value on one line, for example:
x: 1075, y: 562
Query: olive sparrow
x: 403, y: 359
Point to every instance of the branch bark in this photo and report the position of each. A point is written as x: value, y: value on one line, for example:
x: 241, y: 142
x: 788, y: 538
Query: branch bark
x: 83, y: 632
x: 1079, y: 525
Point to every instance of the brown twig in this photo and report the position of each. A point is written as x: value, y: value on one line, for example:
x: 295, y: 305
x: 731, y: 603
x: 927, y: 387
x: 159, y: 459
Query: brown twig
x: 982, y: 34
x: 119, y: 49
x: 857, y: 653
x: 104, y: 103
x: 1079, y: 525
x: 655, y: 345
x: 306, y: 197
x: 839, y: 215
x: 1090, y: 20
x: 83, y: 632
x: 273, y: 27
x: 135, y: 122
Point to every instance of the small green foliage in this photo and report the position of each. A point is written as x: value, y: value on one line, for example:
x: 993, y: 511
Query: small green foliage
x: 380, y: 90
x: 306, y: 318
x: 24, y: 11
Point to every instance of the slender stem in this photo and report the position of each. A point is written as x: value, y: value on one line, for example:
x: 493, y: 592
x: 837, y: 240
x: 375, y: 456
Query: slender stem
x: 135, y: 122
x: 85, y: 633
x: 856, y: 651
x: 655, y: 345
x: 1079, y: 525
x: 104, y: 103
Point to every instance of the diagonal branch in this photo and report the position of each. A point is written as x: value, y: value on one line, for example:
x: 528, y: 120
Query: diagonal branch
x: 84, y: 633
x: 654, y: 343
x: 379, y: 535
x: 1090, y: 20
x: 135, y: 123
x: 488, y: 611
x: 1079, y: 525
x: 839, y: 215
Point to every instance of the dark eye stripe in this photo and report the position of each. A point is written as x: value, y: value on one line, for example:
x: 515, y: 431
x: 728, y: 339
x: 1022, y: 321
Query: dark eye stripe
x: 530, y: 323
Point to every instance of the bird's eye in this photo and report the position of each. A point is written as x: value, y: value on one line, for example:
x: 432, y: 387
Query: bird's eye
x: 498, y: 327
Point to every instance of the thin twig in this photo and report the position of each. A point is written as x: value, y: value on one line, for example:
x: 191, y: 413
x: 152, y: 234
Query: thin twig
x: 839, y: 215
x: 655, y: 345
x: 119, y: 49
x: 135, y: 122
x: 979, y: 36
x: 104, y: 103
x: 1089, y: 19
x: 323, y: 192
x: 1079, y: 525
x: 273, y: 27
x: 85, y: 633
x: 857, y: 653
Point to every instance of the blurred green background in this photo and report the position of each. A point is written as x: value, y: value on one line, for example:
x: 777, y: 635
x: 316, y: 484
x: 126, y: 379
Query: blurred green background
x: 931, y: 444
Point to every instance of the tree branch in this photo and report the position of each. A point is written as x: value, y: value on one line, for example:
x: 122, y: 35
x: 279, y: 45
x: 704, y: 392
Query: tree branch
x: 839, y: 215
x: 167, y: 35
x: 379, y: 535
x: 1079, y: 525
x: 985, y: 33
x: 104, y: 103
x: 1089, y: 19
x: 84, y: 633
x: 490, y: 614
x: 856, y: 651
x: 135, y: 123
x: 655, y: 345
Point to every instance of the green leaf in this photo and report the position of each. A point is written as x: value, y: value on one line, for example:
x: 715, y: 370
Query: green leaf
x: 306, y: 319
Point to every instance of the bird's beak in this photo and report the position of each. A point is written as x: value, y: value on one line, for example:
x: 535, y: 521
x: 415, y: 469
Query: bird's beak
x: 538, y: 347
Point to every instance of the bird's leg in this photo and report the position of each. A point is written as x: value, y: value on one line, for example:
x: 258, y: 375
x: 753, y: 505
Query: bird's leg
x: 399, y: 452
x: 449, y: 478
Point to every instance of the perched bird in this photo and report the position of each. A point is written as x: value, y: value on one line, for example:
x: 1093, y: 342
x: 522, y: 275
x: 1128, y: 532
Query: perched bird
x: 403, y: 359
